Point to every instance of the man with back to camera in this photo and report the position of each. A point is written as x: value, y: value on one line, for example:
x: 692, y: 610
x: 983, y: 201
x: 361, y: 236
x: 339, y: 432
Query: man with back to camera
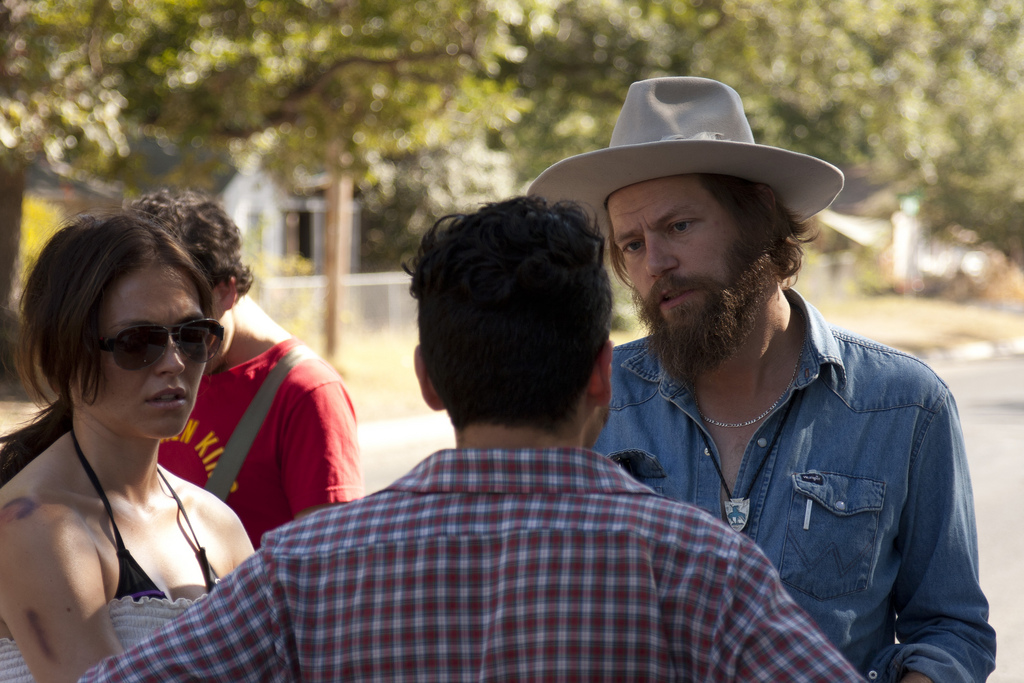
x: 519, y: 555
x: 304, y: 452
x: 843, y: 459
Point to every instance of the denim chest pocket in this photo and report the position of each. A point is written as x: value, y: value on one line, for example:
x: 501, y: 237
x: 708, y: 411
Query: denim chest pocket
x: 830, y: 534
x: 643, y: 466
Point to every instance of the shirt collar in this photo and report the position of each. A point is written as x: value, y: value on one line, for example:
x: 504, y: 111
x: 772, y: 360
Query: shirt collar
x: 552, y: 470
x: 821, y: 354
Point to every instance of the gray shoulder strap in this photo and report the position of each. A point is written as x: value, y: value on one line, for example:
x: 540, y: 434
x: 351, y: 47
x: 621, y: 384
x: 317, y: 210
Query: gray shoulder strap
x: 230, y: 462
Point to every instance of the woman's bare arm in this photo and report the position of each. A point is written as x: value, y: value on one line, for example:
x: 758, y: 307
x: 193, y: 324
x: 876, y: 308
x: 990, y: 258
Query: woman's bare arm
x: 52, y: 591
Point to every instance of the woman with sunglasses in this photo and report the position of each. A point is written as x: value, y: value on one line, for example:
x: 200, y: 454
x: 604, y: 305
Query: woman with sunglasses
x: 99, y: 545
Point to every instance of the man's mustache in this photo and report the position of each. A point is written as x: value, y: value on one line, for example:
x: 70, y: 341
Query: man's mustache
x: 672, y: 284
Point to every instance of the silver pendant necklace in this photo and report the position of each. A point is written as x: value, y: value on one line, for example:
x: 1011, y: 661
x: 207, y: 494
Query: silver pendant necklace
x: 737, y: 510
x: 766, y: 413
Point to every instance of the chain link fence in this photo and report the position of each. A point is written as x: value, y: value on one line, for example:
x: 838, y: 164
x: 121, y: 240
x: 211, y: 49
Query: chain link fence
x: 373, y: 302
x: 380, y: 302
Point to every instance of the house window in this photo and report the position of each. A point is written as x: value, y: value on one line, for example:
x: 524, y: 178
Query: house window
x: 298, y: 234
x: 305, y: 236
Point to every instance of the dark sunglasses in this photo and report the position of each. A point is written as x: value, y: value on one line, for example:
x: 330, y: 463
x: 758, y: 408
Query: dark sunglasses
x: 140, y: 346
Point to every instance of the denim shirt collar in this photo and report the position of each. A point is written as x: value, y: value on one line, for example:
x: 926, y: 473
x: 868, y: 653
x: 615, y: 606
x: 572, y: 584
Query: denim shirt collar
x: 820, y: 357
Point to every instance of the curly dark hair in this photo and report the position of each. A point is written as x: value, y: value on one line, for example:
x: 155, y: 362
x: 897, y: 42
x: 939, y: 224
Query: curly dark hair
x: 206, y: 230
x: 514, y: 307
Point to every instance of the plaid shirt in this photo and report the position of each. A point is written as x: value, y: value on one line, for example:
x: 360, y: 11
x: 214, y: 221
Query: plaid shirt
x: 548, y: 565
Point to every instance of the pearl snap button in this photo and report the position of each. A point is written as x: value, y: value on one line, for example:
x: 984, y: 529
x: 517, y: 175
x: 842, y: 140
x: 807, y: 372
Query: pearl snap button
x: 762, y: 442
x: 840, y: 505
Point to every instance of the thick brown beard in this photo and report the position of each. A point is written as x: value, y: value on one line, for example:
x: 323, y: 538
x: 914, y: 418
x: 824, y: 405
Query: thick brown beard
x: 696, y: 338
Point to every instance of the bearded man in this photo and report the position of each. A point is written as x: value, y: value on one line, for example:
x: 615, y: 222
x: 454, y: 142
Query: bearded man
x: 842, y: 458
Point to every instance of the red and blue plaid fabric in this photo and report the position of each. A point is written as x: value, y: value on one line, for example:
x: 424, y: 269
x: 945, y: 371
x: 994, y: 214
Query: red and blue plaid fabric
x: 549, y: 565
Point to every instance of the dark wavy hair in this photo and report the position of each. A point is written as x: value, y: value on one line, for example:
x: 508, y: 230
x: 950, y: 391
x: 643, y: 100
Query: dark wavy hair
x: 206, y: 230
x: 58, y: 353
x: 766, y: 227
x: 514, y: 306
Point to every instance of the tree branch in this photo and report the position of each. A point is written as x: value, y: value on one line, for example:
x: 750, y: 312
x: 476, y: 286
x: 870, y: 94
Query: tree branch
x: 288, y: 111
x: 318, y: 84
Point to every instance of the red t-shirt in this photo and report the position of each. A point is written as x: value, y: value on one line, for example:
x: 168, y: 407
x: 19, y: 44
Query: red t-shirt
x: 306, y: 453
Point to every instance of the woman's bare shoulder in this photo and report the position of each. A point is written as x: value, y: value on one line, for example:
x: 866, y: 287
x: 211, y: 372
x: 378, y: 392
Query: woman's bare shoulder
x: 214, y: 515
x: 40, y: 497
x: 45, y: 518
x: 50, y: 560
x: 40, y: 514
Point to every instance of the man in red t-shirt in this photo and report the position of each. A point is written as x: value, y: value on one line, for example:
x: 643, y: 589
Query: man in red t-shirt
x: 305, y: 455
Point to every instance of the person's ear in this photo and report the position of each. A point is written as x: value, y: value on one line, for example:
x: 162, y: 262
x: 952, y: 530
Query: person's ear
x: 426, y: 386
x: 599, y: 388
x: 597, y: 397
x: 225, y: 296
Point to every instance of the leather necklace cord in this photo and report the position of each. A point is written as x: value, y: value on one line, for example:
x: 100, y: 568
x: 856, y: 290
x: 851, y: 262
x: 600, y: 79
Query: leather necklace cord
x: 764, y: 458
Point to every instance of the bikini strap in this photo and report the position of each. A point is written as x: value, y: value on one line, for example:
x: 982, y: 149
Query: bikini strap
x: 209, y: 575
x: 99, y: 489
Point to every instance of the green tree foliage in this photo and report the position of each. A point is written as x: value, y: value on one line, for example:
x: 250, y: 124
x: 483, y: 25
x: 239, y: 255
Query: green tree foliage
x: 300, y: 86
x: 402, y: 196
x: 306, y: 85
x: 57, y: 98
x: 925, y: 92
x: 57, y: 102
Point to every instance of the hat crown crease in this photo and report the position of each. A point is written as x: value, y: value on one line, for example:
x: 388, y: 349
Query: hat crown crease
x: 656, y: 109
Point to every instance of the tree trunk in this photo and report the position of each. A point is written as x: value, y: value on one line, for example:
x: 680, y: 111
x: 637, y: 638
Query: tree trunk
x: 337, y: 256
x: 12, y: 191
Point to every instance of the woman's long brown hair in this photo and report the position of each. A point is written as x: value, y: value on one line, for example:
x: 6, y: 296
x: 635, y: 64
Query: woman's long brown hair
x: 58, y: 354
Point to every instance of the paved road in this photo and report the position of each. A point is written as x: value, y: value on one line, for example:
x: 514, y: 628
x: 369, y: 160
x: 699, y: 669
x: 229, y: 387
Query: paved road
x: 390, y: 448
x: 990, y: 396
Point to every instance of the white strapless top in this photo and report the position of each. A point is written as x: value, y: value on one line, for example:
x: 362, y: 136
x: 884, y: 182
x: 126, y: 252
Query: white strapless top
x: 132, y: 620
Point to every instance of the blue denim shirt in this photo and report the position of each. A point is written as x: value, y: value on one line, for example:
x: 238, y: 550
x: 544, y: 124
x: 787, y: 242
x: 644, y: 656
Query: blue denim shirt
x: 864, y: 504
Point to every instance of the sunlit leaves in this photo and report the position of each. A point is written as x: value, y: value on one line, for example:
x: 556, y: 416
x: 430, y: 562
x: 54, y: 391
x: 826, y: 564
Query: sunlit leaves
x: 926, y: 92
x: 55, y: 96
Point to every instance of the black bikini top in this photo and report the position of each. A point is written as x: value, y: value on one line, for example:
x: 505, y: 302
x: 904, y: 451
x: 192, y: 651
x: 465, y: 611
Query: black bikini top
x: 133, y: 580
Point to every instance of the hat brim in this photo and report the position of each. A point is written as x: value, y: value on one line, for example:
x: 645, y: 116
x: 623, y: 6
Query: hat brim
x: 805, y: 184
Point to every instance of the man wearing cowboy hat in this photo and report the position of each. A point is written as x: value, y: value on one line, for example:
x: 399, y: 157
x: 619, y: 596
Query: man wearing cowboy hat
x: 843, y: 459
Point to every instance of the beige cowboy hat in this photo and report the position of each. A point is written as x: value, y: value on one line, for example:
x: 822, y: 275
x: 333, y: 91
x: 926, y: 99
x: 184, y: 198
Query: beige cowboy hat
x: 673, y: 126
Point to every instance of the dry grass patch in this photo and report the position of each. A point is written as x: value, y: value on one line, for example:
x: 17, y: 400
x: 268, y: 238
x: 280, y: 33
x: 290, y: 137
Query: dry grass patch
x: 921, y: 325
x: 379, y: 374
